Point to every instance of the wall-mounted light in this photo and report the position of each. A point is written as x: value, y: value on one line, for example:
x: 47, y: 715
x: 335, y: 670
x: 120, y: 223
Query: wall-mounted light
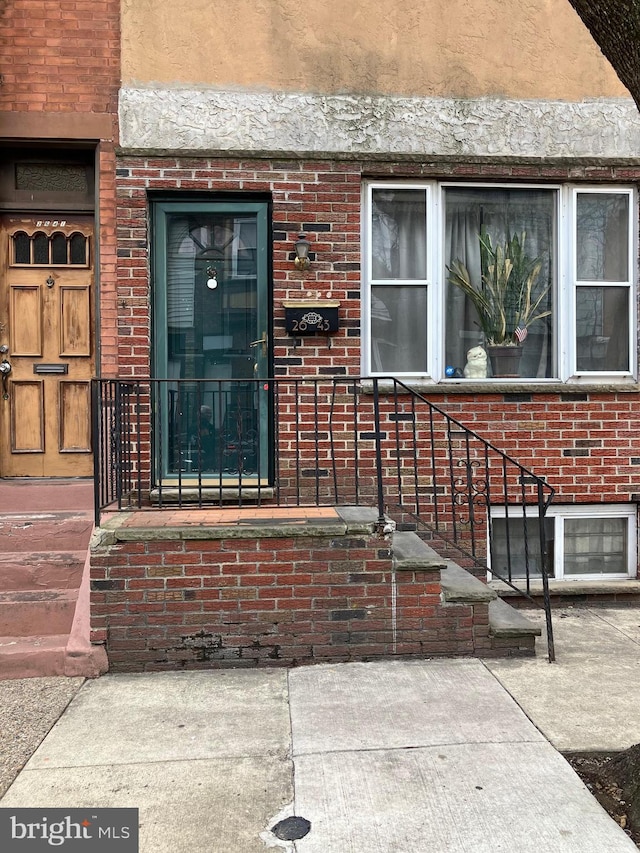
x: 212, y: 280
x: 301, y: 247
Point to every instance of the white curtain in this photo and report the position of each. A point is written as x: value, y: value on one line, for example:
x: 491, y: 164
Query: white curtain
x: 181, y: 254
x: 399, y: 255
x: 501, y: 212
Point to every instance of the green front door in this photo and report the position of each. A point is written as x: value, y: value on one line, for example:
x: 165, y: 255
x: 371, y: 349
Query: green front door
x: 211, y: 341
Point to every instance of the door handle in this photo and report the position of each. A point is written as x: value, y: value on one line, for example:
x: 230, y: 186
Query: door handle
x: 263, y: 341
x: 5, y: 370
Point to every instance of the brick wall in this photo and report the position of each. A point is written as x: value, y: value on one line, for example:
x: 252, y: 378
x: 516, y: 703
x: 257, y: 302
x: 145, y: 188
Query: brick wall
x: 266, y: 600
x: 60, y: 56
x: 61, y: 70
x: 584, y: 442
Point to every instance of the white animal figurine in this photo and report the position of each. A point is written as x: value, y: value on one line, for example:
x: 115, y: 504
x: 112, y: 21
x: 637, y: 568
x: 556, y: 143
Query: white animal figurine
x: 476, y: 366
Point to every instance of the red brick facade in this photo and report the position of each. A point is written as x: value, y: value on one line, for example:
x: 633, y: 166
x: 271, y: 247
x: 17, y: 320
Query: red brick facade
x: 60, y: 56
x: 583, y: 441
x: 60, y: 81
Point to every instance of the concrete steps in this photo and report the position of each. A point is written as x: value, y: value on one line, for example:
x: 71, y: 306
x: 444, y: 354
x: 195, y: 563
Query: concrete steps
x: 44, y: 613
x: 499, y: 630
x: 27, y: 612
x: 32, y: 657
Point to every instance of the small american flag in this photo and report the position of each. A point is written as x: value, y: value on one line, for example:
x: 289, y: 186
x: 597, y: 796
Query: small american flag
x: 521, y: 333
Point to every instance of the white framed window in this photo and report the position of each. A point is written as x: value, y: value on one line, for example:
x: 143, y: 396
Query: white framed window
x: 559, y: 258
x: 602, y: 267
x: 399, y: 299
x: 583, y: 542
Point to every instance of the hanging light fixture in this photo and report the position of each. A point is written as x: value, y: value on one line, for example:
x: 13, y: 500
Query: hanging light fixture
x: 301, y: 247
x: 212, y: 280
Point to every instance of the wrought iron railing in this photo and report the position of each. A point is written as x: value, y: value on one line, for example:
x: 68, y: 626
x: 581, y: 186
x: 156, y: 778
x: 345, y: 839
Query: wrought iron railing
x: 291, y: 441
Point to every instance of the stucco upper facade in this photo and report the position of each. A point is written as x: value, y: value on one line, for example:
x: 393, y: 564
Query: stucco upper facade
x: 437, y: 79
x: 513, y: 49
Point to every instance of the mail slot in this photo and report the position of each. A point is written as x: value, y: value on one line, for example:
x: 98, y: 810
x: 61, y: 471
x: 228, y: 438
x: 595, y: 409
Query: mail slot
x: 51, y: 368
x: 311, y: 317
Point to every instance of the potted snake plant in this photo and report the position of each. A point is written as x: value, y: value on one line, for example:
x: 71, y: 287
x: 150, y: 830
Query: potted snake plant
x: 508, y: 299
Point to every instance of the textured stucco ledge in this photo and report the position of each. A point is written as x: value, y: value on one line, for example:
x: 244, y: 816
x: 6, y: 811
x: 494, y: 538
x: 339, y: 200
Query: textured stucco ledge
x: 194, y: 121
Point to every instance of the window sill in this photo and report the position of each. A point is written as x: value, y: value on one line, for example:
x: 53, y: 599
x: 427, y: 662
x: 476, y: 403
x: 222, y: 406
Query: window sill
x: 597, y: 586
x: 513, y: 386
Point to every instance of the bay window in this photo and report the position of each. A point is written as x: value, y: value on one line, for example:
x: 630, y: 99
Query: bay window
x: 453, y: 270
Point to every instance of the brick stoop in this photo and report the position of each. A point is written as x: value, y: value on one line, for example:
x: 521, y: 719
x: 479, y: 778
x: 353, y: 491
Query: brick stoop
x: 211, y: 588
x: 44, y: 608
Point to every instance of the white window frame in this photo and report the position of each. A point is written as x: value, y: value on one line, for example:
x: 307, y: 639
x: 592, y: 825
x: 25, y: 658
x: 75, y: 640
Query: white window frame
x: 564, y: 316
x: 369, y: 284
x: 575, y: 283
x: 560, y: 514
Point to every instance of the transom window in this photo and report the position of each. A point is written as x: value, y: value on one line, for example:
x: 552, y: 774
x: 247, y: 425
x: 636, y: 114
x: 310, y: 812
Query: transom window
x: 58, y: 249
x: 469, y: 282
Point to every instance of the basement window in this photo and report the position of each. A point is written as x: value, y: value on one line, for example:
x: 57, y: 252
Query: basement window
x: 584, y: 542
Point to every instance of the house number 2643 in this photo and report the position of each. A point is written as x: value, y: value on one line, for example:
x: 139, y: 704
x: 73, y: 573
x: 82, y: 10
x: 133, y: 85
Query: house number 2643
x: 311, y: 318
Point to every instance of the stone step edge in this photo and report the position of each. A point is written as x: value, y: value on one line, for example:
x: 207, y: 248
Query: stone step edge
x: 507, y: 621
x: 38, y: 596
x: 460, y: 587
x: 35, y: 558
x: 411, y: 554
x: 32, y: 657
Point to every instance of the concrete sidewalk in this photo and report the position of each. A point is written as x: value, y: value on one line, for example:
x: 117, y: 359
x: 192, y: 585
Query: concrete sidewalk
x: 386, y: 757
x: 589, y: 700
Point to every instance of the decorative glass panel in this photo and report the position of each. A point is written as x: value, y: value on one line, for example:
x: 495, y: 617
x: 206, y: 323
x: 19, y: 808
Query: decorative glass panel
x: 21, y: 248
x: 594, y: 546
x: 521, y: 307
x: 602, y: 237
x: 59, y: 249
x: 78, y: 247
x: 399, y: 234
x: 602, y: 321
x: 48, y: 177
x: 40, y: 248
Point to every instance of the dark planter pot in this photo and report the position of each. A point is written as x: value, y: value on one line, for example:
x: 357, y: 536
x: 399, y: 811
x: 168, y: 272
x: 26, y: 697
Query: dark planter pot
x: 505, y: 361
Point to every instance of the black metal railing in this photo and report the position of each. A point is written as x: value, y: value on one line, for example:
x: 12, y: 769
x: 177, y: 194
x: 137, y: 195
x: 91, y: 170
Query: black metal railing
x: 291, y: 441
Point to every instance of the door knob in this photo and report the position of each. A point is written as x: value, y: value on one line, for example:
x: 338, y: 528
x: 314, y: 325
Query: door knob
x: 5, y: 367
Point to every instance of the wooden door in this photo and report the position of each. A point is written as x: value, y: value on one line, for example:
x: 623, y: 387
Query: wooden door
x: 46, y: 306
